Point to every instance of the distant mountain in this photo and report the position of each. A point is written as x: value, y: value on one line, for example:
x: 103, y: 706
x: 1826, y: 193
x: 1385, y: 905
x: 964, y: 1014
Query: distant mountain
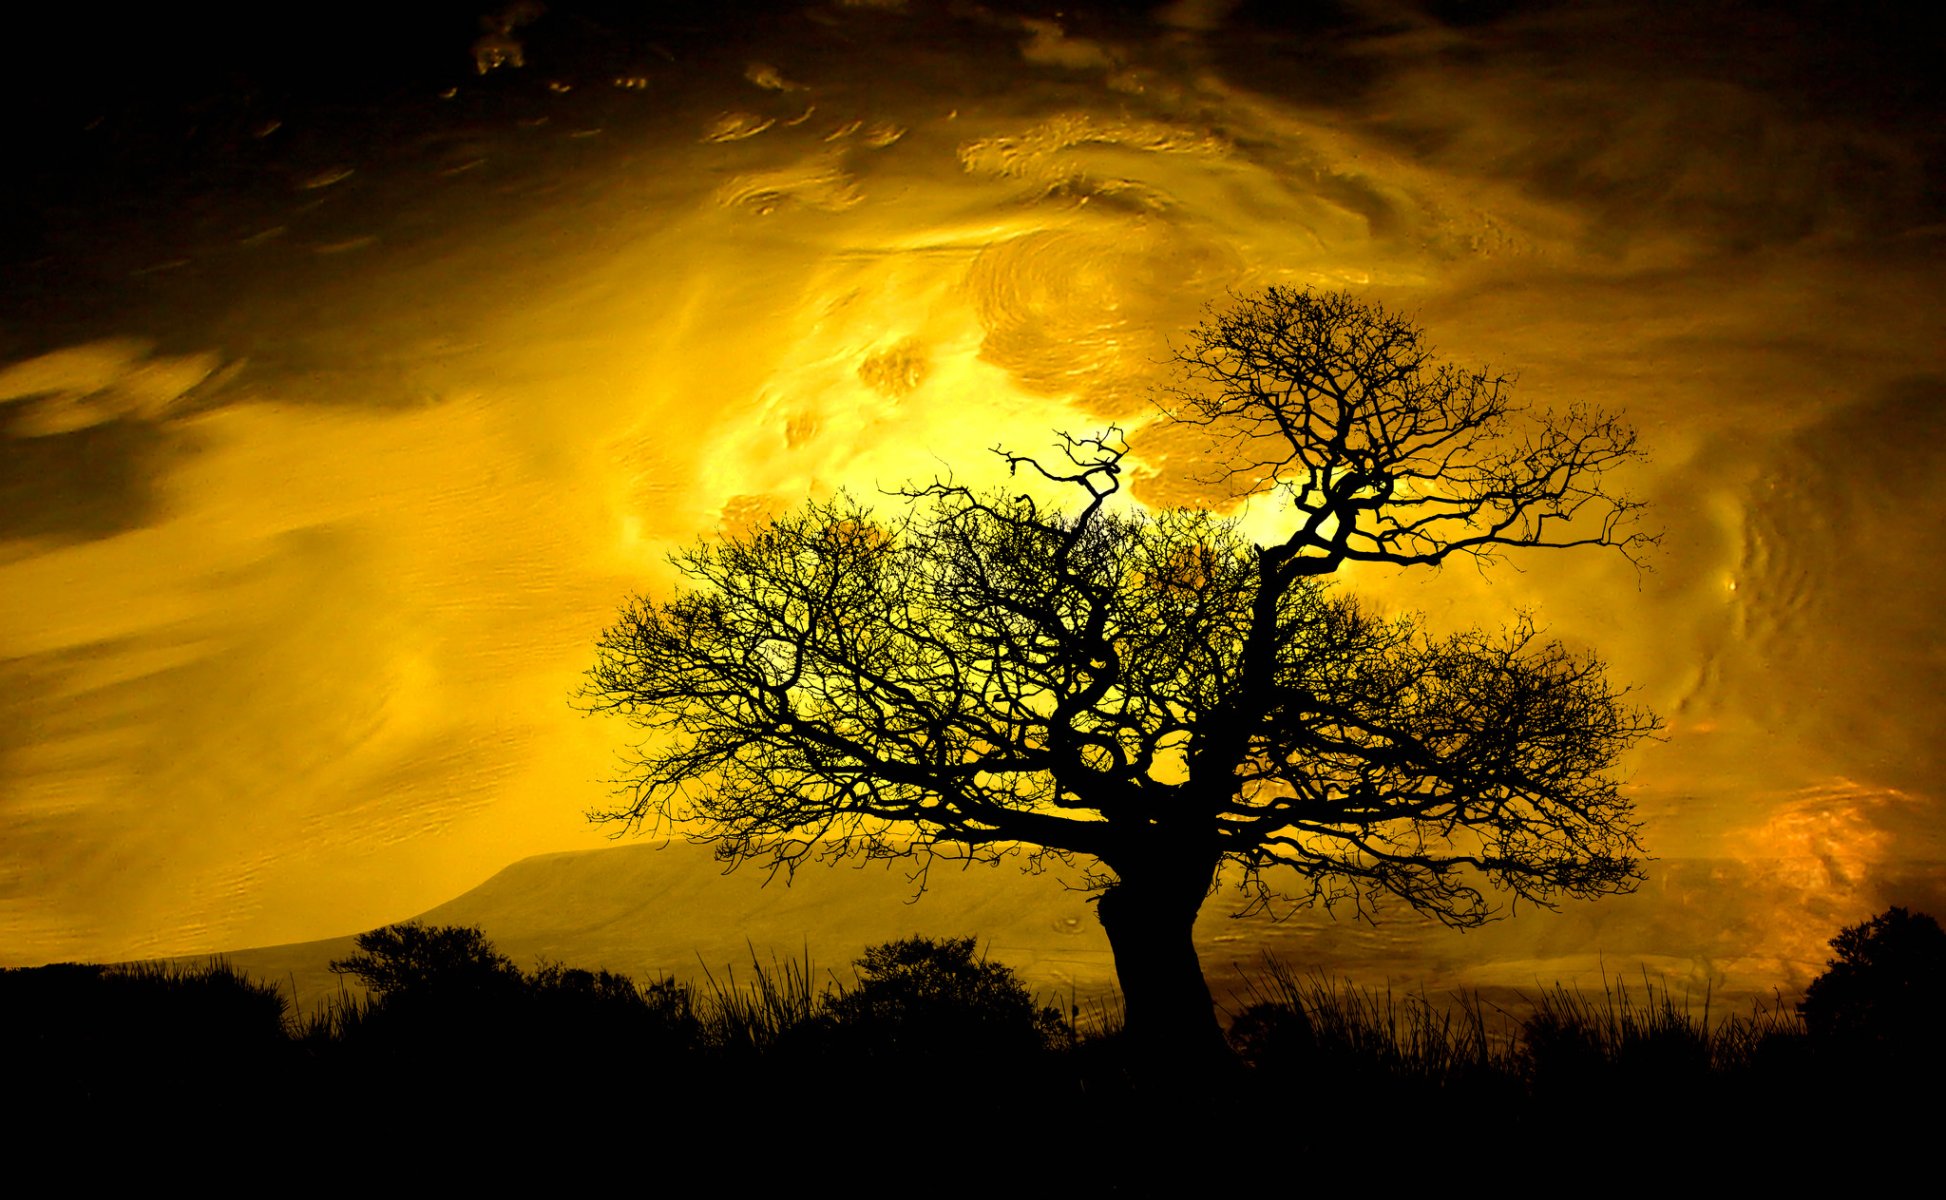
x: 1727, y: 930
x: 655, y: 910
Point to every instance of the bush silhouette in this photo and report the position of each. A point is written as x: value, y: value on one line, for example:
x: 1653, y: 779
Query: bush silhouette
x: 925, y: 998
x: 98, y: 1036
x: 571, y: 1010
x: 438, y: 993
x: 411, y: 959
x: 458, y: 1015
x: 1884, y: 989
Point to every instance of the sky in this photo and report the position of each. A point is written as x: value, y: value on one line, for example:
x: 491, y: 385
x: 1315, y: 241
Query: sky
x: 355, y: 369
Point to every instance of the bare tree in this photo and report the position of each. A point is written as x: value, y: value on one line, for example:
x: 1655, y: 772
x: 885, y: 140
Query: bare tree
x: 1385, y: 454
x: 1148, y: 696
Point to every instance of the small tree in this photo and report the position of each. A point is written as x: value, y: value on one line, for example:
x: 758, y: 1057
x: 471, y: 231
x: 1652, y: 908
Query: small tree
x: 1150, y: 695
x: 448, y: 961
x: 925, y: 997
x: 1885, y: 987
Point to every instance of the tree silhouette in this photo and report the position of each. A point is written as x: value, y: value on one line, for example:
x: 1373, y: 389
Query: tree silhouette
x: 1883, y: 990
x: 923, y: 998
x: 1149, y: 695
x: 410, y: 959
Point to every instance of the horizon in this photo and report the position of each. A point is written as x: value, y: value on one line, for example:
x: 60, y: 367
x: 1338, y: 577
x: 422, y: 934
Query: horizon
x: 1026, y: 925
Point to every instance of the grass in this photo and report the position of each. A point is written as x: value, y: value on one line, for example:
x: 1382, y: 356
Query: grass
x: 749, y: 1061
x: 1292, y: 1017
x: 564, y: 1043
x: 1287, y: 1020
x: 752, y: 1017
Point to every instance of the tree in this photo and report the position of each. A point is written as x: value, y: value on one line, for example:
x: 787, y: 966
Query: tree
x: 1884, y: 988
x: 410, y: 960
x: 1150, y: 696
x: 926, y: 998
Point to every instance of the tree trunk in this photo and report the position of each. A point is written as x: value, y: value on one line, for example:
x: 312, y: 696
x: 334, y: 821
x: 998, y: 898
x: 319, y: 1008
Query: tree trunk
x: 1149, y: 915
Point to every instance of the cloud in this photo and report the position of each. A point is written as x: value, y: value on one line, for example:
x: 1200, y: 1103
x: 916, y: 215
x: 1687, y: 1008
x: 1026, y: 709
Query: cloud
x: 1678, y: 131
x: 89, y: 483
x: 83, y: 386
x: 1843, y: 539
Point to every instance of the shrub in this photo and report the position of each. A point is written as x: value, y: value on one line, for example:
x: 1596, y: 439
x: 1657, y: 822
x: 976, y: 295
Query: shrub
x: 103, y: 1036
x: 931, y: 998
x: 410, y: 958
x: 570, y: 1010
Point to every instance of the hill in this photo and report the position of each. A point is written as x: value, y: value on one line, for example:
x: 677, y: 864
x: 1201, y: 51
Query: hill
x: 652, y: 910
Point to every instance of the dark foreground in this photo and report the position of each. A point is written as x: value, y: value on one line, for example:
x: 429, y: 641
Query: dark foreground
x: 935, y: 1073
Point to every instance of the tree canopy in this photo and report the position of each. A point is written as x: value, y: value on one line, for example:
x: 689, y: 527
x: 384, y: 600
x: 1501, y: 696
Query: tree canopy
x: 1884, y: 987
x: 936, y: 998
x: 409, y: 959
x: 1149, y: 694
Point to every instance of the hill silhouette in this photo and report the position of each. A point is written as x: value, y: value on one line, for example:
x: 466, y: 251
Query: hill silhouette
x: 649, y: 910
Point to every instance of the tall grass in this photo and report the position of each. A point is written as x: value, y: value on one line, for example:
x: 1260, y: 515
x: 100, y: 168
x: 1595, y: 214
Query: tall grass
x: 1645, y: 1031
x: 1293, y: 1020
x: 1308, y: 1021
x: 332, y: 1019
x: 753, y: 1016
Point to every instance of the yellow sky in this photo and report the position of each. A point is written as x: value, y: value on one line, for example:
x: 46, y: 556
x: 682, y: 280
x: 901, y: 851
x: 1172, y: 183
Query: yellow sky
x: 303, y: 569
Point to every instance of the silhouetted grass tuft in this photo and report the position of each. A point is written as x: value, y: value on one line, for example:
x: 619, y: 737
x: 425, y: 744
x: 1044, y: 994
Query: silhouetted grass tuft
x: 1293, y: 1021
x: 752, y: 1017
